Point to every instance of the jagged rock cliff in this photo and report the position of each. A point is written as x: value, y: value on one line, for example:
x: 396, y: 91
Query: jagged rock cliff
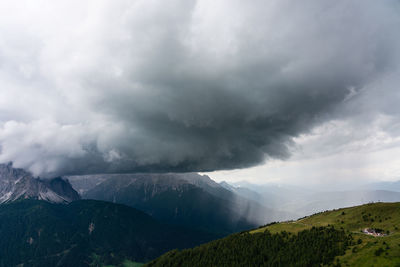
x: 18, y: 184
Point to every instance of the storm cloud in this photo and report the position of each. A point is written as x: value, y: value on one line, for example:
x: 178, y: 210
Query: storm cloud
x: 126, y: 86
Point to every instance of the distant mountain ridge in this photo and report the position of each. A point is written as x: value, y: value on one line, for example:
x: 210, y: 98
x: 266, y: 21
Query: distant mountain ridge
x: 383, y: 185
x: 187, y: 199
x: 18, y: 184
x: 304, y: 202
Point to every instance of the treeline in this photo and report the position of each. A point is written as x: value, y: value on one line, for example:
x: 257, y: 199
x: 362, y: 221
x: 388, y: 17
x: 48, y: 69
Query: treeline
x: 307, y: 248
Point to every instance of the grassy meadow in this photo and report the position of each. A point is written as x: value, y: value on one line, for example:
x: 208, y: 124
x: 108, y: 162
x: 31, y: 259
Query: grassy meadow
x: 366, y: 250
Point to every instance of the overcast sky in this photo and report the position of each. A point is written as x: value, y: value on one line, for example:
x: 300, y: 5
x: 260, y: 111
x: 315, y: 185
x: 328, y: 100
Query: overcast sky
x: 306, y: 91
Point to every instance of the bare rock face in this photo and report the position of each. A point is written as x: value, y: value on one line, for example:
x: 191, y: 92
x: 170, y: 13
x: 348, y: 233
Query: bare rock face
x: 18, y: 184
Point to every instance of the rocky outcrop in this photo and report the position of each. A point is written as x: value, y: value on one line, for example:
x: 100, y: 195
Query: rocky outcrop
x: 18, y: 184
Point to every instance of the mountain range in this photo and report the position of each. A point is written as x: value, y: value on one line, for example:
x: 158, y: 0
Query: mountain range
x: 184, y: 199
x: 43, y: 222
x: 94, y: 220
x: 179, y: 199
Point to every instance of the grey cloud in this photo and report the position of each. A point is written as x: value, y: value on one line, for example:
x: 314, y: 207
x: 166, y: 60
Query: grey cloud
x: 186, y: 85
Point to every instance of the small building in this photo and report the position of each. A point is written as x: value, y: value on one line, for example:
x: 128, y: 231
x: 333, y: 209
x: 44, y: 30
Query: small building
x: 373, y: 232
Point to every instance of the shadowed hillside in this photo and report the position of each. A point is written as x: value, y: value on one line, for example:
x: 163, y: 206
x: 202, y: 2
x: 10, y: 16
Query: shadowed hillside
x: 186, y: 199
x: 83, y: 233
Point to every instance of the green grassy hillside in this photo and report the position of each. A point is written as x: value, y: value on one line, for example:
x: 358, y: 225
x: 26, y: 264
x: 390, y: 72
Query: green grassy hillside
x: 331, y: 238
x: 365, y: 250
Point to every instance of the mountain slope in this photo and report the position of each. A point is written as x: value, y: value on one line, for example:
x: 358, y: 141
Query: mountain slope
x: 365, y: 249
x: 191, y: 200
x: 172, y: 200
x: 244, y: 192
x: 83, y: 183
x: 331, y: 238
x: 314, y: 247
x: 38, y: 233
x: 18, y: 184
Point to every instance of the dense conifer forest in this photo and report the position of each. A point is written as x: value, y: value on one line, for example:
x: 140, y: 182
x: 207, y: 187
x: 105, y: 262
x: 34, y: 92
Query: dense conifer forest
x: 313, y: 247
x: 85, y: 233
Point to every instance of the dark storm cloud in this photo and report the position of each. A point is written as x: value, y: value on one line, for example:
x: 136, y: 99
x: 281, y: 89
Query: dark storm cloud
x: 185, y: 85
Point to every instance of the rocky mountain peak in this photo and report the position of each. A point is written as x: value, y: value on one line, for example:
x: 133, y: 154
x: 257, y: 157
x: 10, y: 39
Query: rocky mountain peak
x: 17, y: 184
